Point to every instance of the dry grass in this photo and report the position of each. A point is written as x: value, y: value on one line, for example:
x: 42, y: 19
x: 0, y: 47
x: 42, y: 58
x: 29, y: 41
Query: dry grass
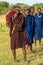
x: 6, y: 57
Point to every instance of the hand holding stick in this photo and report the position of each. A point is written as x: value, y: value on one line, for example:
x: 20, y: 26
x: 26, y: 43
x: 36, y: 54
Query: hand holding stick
x: 13, y: 28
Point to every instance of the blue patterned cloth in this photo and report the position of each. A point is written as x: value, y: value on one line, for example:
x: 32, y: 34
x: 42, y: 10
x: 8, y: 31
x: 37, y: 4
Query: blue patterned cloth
x: 30, y: 28
x: 39, y: 28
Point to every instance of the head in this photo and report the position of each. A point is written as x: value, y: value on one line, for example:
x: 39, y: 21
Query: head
x: 27, y: 12
x: 32, y: 10
x: 39, y: 10
x: 17, y: 9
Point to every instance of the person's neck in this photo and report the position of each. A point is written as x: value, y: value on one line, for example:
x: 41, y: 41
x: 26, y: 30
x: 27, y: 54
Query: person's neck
x: 31, y: 14
x: 39, y: 13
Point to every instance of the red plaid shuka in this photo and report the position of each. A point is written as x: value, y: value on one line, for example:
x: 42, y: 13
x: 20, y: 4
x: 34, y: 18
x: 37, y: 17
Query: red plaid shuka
x: 9, y: 14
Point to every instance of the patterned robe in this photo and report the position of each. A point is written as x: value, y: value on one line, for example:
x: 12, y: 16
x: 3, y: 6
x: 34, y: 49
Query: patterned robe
x: 38, y: 29
x: 30, y: 28
x: 17, y: 36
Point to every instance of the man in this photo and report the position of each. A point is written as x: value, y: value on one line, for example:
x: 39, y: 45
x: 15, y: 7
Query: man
x: 38, y: 29
x: 16, y: 32
x: 30, y: 28
x: 27, y: 12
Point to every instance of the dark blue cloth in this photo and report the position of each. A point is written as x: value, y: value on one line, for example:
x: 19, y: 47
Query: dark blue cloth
x: 30, y: 28
x: 42, y: 24
x: 38, y: 29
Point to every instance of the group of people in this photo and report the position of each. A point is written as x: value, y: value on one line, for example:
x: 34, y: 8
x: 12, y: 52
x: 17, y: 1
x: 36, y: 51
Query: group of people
x: 25, y: 27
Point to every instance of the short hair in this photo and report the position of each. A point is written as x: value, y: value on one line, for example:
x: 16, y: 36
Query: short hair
x: 17, y: 7
x: 13, y: 7
x: 28, y: 10
x: 31, y: 8
x: 39, y: 8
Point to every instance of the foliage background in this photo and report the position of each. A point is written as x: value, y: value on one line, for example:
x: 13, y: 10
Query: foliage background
x: 5, y: 6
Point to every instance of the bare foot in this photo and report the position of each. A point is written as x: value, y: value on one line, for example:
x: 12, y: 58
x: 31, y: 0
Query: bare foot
x: 25, y: 62
x: 15, y: 60
x: 31, y: 52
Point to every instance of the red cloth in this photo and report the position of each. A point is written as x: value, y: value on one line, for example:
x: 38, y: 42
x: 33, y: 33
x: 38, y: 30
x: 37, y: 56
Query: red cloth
x: 9, y: 14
